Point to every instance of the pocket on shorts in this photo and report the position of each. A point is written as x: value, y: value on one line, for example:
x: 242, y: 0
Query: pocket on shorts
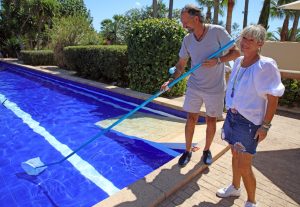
x: 246, y: 137
x: 222, y: 133
x: 227, y: 130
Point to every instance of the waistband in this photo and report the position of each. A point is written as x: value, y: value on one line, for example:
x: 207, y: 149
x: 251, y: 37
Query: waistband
x: 234, y: 111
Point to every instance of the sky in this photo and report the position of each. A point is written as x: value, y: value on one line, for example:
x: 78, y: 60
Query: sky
x: 103, y: 9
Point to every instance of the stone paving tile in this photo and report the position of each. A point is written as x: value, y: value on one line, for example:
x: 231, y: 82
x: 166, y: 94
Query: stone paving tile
x: 203, y: 194
x: 276, y: 166
x: 148, y: 126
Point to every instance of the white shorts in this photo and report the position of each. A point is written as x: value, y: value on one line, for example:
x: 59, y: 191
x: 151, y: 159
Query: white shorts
x: 214, y: 103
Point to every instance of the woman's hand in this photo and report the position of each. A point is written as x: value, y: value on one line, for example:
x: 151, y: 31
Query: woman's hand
x: 261, y: 134
x: 270, y: 111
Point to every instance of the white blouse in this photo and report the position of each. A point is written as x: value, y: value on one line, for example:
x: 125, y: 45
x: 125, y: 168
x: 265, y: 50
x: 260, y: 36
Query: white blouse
x: 251, y: 86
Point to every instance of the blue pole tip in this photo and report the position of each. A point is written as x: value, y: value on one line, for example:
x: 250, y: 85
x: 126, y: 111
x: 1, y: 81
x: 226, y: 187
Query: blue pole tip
x: 32, y: 166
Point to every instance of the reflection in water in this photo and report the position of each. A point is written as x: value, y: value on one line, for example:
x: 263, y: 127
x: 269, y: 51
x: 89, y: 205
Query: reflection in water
x: 34, y: 179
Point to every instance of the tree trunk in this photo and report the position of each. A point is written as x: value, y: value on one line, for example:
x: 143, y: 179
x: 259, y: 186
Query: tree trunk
x: 285, y: 28
x: 154, y: 5
x: 208, y: 14
x: 295, y: 27
x: 170, y: 9
x: 216, y: 11
x: 229, y: 15
x: 264, y: 14
x: 245, y: 22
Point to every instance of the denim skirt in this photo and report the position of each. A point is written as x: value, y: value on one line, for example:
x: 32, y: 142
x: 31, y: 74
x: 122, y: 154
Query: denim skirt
x: 240, y: 132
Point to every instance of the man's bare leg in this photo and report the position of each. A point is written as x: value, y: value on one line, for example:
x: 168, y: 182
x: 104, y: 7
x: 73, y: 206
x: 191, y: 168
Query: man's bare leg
x: 189, y: 133
x: 211, y: 123
x: 210, y: 131
x: 191, y: 122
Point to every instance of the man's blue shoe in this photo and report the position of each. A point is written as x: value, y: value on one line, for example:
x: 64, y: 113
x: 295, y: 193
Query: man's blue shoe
x: 207, y: 157
x: 184, y: 159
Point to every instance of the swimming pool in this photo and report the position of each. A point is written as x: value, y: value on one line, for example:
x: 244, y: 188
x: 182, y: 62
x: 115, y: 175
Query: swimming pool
x: 46, y: 116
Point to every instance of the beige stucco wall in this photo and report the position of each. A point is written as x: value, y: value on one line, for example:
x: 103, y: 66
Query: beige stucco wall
x: 286, y: 54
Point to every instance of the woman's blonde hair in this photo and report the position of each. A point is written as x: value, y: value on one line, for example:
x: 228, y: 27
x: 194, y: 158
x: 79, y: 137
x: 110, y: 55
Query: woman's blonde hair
x: 256, y: 32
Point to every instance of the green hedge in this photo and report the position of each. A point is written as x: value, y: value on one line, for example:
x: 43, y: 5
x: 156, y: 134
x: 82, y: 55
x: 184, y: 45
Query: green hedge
x: 37, y: 57
x: 153, y: 47
x: 101, y: 62
x: 291, y: 96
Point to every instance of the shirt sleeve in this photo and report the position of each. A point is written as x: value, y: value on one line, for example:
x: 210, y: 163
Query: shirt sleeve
x: 223, y: 36
x: 267, y: 79
x: 184, y: 53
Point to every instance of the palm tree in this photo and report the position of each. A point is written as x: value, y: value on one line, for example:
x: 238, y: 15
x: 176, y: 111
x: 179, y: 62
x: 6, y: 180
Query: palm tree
x: 276, y: 35
x: 285, y: 28
x: 278, y: 13
x: 264, y: 14
x: 297, y: 36
x: 230, y: 4
x: 285, y: 35
x: 272, y: 36
x: 216, y: 11
x: 245, y: 13
x: 170, y: 9
x: 155, y: 8
x: 111, y: 29
x: 235, y: 30
x: 292, y: 36
x: 43, y: 11
x: 209, y: 4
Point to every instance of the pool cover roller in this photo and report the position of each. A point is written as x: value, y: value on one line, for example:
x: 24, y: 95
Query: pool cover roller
x: 35, y: 166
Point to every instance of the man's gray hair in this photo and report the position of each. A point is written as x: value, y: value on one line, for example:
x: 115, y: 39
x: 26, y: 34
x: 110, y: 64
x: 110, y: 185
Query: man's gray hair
x: 193, y: 10
x: 256, y: 32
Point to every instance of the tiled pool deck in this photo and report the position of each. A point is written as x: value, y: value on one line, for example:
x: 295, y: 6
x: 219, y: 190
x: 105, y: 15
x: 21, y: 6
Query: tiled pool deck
x: 277, y: 164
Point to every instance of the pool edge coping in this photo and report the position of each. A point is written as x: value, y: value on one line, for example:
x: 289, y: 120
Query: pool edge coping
x: 160, y: 184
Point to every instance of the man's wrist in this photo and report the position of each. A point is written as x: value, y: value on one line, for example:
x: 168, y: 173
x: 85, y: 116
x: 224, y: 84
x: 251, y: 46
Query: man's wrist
x: 219, y: 61
x: 178, y: 72
x: 175, y: 75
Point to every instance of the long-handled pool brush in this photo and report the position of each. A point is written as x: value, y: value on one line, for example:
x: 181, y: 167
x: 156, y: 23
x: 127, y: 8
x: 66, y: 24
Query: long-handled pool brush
x: 35, y: 166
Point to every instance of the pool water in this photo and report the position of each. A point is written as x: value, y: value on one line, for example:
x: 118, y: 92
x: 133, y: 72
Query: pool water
x: 48, y: 118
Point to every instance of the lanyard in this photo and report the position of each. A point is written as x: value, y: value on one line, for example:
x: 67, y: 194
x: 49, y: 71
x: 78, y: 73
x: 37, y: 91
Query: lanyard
x: 236, y: 78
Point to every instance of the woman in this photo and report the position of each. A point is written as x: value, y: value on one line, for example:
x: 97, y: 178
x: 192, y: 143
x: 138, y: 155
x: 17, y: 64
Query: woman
x: 251, y: 100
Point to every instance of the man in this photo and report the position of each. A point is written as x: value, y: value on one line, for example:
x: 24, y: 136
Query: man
x: 206, y: 84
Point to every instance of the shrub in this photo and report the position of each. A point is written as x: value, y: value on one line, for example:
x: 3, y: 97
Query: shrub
x: 70, y: 31
x: 11, y: 47
x: 37, y: 57
x: 104, y: 62
x: 291, y: 96
x: 153, y: 46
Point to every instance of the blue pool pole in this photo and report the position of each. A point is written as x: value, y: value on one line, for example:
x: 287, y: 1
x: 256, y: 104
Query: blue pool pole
x: 215, y: 54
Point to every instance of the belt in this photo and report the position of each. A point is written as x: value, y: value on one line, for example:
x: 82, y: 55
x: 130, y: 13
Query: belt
x: 234, y: 111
